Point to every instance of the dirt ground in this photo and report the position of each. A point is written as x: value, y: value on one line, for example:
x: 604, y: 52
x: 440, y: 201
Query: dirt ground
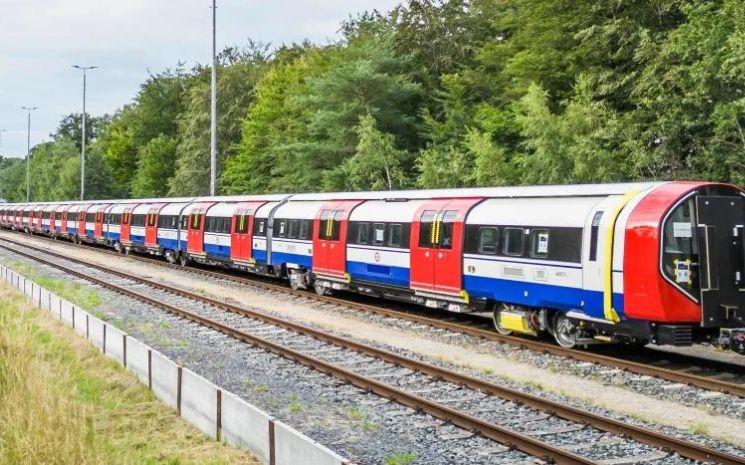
x: 613, y: 398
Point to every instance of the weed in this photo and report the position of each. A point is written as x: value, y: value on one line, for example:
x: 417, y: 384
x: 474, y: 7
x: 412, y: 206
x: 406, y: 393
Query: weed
x: 404, y: 458
x: 698, y: 428
x: 355, y: 413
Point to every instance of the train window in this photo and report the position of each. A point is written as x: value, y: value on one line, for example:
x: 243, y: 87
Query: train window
x: 539, y: 243
x: 304, y: 232
x: 378, y: 234
x: 594, y: 232
x: 280, y: 228
x: 260, y: 227
x: 488, y: 240
x: 184, y: 222
x: 363, y: 233
x: 445, y: 232
x: 151, y: 217
x: 514, y: 242
x: 426, y: 229
x: 566, y: 245
x: 196, y: 221
x: 394, y: 235
x: 138, y: 220
x: 293, y: 227
x: 241, y: 223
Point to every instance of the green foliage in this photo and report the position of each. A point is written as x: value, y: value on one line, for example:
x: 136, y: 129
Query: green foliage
x: 437, y: 93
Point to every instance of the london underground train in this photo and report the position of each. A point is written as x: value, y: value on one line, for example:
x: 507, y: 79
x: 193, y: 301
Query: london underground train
x: 659, y: 262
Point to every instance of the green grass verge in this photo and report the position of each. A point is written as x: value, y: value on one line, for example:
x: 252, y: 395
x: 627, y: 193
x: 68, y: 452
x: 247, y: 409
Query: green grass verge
x: 64, y: 403
x: 78, y: 294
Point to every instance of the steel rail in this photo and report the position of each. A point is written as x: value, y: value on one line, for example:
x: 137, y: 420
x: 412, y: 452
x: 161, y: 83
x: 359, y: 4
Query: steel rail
x: 466, y: 421
x: 639, y: 368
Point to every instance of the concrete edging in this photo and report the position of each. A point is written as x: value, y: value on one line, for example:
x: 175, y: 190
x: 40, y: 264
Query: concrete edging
x: 219, y: 414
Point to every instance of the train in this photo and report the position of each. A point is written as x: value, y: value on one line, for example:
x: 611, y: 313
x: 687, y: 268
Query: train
x: 631, y: 263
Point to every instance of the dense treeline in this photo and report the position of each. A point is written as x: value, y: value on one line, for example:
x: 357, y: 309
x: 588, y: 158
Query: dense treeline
x: 434, y: 94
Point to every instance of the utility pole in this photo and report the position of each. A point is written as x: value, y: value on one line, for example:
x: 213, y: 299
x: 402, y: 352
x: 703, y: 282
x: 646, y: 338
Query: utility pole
x: 1, y: 156
x: 28, y: 152
x: 213, y: 105
x: 82, y: 144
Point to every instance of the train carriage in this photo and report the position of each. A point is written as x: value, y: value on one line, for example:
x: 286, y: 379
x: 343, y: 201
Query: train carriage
x: 47, y: 219
x: 94, y: 223
x: 378, y: 244
x: 660, y: 262
x: 289, y: 250
x: 172, y: 222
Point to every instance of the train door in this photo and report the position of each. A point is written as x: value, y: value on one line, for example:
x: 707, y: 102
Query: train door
x: 195, y: 236
x: 82, y: 211
x: 151, y: 226
x: 241, y: 231
x: 330, y: 237
x: 721, y: 248
x: 125, y: 236
x: 437, y: 245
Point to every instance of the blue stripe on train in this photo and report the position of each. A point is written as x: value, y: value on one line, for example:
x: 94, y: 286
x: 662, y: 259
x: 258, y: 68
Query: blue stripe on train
x: 112, y: 236
x: 169, y: 244
x: 217, y: 251
x: 137, y: 240
x: 279, y: 258
x: 379, y: 274
x: 540, y: 295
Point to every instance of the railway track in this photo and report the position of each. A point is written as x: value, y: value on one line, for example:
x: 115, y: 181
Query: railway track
x: 677, y: 373
x: 473, y: 404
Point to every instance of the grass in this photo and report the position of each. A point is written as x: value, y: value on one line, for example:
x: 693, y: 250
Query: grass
x: 698, y: 428
x: 80, y: 295
x: 63, y: 403
x: 404, y: 458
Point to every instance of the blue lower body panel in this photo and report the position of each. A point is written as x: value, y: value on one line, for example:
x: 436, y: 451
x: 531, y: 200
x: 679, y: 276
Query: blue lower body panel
x: 540, y: 295
x: 90, y: 234
x: 168, y: 244
x: 137, y: 240
x: 379, y: 274
x: 280, y: 258
x: 112, y: 236
x: 72, y: 232
x: 259, y: 256
x: 217, y: 251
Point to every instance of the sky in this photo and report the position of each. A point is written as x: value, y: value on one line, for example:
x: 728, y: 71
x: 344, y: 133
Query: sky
x: 40, y: 40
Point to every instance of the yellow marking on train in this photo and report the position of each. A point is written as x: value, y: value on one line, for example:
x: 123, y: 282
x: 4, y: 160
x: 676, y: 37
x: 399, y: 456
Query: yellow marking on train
x: 608, y: 311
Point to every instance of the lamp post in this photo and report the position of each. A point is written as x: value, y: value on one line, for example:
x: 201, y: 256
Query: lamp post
x: 82, y: 144
x: 1, y: 156
x: 213, y: 105
x: 28, y: 151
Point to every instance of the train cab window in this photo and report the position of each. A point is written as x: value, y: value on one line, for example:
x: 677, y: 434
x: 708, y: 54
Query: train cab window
x: 395, y: 234
x: 426, y: 229
x: 514, y: 242
x: 488, y: 240
x: 363, y: 233
x: 260, y: 227
x: 680, y: 259
x: 594, y: 233
x: 330, y: 224
x: 539, y: 243
x: 446, y: 229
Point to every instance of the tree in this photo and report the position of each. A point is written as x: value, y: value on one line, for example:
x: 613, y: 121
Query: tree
x: 71, y: 127
x: 377, y: 163
x: 235, y: 87
x: 155, y: 163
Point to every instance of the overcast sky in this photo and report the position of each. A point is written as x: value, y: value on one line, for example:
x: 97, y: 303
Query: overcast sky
x: 41, y: 39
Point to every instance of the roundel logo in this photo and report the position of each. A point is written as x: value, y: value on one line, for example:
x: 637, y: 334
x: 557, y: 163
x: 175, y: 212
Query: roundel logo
x: 377, y: 256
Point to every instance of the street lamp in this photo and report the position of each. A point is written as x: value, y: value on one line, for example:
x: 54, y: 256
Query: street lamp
x: 213, y: 105
x: 82, y: 144
x: 1, y: 156
x: 28, y: 151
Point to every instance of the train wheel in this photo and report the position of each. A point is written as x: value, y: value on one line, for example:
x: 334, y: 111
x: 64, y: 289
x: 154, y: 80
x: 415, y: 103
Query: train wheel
x: 184, y: 260
x: 495, y: 319
x: 320, y: 288
x: 565, y: 331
